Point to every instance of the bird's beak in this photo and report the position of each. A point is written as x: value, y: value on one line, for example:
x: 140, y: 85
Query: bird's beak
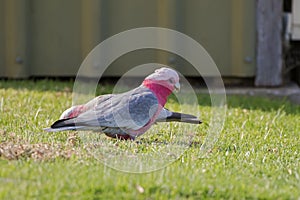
x: 177, y: 87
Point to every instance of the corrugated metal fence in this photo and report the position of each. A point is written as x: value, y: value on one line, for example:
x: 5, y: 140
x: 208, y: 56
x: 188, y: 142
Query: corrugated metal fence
x: 52, y: 37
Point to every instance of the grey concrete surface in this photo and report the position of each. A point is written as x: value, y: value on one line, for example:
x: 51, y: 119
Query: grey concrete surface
x: 290, y: 91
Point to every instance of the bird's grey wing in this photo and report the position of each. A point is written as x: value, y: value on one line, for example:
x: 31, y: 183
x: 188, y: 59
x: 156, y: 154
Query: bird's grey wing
x: 130, y: 110
x: 89, y: 105
x: 65, y: 123
x: 98, y: 100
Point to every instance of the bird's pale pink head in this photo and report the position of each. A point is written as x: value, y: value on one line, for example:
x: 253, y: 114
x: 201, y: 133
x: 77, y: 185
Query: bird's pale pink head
x: 162, y: 82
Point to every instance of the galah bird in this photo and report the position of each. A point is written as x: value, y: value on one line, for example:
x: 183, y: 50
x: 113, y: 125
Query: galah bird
x: 130, y: 114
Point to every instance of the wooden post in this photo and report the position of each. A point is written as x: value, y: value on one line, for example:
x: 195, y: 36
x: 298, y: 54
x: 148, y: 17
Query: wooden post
x: 269, y: 49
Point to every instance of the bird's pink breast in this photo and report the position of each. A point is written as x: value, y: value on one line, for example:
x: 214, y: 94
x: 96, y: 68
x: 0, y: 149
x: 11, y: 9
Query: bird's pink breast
x: 160, y: 89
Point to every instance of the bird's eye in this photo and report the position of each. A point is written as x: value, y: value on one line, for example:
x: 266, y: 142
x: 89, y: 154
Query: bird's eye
x: 171, y: 80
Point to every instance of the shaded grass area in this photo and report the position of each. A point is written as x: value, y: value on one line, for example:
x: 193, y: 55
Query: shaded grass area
x: 256, y: 157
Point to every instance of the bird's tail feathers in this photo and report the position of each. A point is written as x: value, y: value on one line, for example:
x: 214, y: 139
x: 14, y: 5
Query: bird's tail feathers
x: 63, y: 125
x: 61, y: 129
x: 181, y: 117
x: 69, y: 122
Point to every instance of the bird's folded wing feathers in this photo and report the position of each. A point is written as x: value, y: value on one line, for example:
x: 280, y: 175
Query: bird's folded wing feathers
x: 131, y: 110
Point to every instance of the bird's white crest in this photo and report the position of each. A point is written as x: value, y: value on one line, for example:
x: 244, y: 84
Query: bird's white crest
x: 164, y: 73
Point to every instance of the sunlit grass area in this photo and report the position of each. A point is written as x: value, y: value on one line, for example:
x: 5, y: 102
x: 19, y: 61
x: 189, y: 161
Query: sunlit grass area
x: 257, y: 155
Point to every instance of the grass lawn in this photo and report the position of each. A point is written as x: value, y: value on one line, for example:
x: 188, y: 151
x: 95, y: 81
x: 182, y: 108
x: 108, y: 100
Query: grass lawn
x: 257, y: 155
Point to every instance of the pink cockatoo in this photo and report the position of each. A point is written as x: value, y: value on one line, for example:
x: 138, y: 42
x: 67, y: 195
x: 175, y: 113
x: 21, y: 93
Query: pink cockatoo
x: 130, y: 114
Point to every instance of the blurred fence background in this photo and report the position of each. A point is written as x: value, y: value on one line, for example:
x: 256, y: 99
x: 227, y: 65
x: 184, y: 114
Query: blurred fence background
x: 49, y: 38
